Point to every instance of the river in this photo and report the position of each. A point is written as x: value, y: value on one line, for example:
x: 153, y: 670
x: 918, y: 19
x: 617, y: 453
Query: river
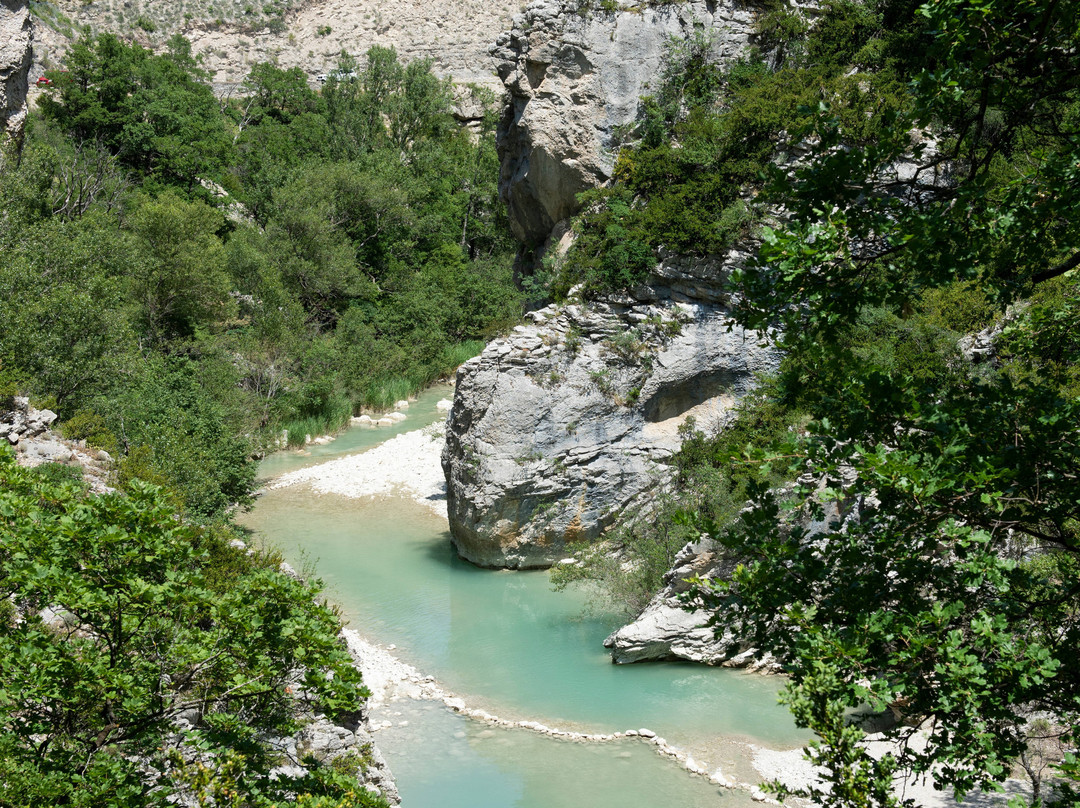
x: 508, y: 644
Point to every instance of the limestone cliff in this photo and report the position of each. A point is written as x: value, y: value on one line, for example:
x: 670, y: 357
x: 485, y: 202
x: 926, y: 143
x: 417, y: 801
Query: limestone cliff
x: 232, y: 35
x: 574, y: 79
x: 559, y: 429
x: 562, y: 427
x: 16, y: 39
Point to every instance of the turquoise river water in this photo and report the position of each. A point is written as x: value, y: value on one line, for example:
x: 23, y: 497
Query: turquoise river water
x: 508, y: 644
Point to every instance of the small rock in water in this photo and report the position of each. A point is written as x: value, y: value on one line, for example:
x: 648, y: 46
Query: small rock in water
x: 444, y: 404
x: 646, y: 733
x: 401, y: 405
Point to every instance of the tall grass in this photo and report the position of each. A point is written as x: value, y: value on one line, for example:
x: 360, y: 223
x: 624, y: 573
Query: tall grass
x: 383, y: 392
x: 333, y: 419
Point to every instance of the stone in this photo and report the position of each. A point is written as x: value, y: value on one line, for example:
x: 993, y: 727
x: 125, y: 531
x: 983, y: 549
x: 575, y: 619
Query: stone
x: 574, y: 80
x: 455, y: 34
x: 16, y: 42
x: 401, y: 405
x: 544, y: 452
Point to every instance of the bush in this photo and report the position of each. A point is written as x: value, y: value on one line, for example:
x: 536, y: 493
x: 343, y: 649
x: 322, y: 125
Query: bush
x: 89, y: 426
x: 9, y: 388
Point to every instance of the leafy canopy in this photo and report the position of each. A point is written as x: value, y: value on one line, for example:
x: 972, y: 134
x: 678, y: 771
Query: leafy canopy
x: 944, y: 588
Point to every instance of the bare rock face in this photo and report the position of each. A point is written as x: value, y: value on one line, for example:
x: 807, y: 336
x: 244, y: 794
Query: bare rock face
x: 561, y: 427
x: 232, y: 35
x: 665, y: 630
x: 16, y: 39
x: 574, y: 78
x: 566, y: 425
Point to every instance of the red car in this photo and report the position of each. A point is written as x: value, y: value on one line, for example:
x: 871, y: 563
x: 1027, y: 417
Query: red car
x: 43, y: 81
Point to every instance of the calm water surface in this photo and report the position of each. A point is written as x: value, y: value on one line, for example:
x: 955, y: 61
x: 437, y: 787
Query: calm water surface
x: 508, y: 644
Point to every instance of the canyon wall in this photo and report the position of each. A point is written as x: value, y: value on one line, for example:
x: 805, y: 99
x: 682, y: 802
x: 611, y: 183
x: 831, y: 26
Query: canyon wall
x: 16, y: 40
x: 566, y: 425
x: 575, y: 79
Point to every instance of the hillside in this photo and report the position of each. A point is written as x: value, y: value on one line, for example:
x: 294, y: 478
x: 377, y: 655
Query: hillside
x: 231, y: 35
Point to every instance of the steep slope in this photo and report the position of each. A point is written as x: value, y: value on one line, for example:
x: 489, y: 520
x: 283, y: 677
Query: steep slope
x: 310, y: 34
x: 558, y: 430
x: 575, y: 78
x: 16, y: 39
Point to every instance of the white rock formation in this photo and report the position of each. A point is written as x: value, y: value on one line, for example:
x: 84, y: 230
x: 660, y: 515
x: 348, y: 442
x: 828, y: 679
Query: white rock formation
x: 557, y: 429
x: 455, y: 34
x: 16, y: 40
x: 665, y: 630
x: 574, y: 78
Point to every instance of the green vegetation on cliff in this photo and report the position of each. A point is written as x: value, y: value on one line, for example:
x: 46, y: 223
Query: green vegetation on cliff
x: 911, y: 175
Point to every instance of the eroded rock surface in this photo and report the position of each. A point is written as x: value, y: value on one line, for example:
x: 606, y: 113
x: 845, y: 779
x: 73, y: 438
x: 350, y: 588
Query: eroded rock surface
x: 574, y: 78
x: 16, y: 40
x: 230, y: 37
x: 558, y: 429
x: 665, y: 630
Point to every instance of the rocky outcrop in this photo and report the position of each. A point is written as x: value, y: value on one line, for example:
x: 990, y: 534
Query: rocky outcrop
x: 561, y: 427
x: 16, y: 39
x: 230, y: 36
x: 665, y: 630
x: 28, y: 430
x: 574, y: 79
x: 20, y: 420
x: 346, y: 744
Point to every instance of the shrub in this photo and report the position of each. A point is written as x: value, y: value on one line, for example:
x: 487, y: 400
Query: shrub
x: 89, y: 426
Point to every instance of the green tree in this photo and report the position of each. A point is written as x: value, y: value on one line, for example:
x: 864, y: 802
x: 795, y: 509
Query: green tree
x: 154, y: 111
x: 945, y: 587
x: 179, y: 277
x: 128, y: 619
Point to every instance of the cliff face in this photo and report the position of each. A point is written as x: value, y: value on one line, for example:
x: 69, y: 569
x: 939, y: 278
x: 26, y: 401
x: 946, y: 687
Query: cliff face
x: 565, y: 425
x: 16, y: 39
x: 574, y: 78
x: 560, y: 428
x: 232, y: 35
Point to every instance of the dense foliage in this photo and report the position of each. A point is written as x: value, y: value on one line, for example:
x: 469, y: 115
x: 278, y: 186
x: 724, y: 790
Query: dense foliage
x: 118, y: 621
x: 183, y: 277
x: 192, y: 275
x: 910, y: 172
x: 945, y: 591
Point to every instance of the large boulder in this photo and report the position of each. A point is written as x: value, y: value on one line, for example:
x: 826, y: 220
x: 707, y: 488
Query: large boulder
x: 16, y: 40
x: 666, y: 630
x: 563, y: 426
x: 575, y: 77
